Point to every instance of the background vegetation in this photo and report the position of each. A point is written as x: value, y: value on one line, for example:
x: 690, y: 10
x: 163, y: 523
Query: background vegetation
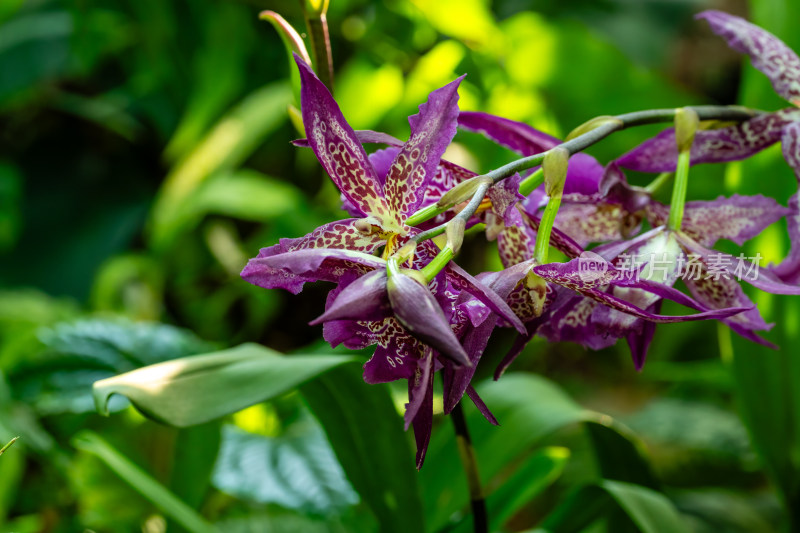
x: 144, y: 156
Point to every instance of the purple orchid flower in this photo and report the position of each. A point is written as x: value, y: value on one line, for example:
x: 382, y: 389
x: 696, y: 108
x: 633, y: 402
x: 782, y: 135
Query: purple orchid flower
x: 769, y: 55
x: 381, y: 193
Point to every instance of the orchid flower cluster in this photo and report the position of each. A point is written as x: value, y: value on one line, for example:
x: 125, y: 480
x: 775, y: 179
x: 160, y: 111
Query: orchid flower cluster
x: 397, y: 290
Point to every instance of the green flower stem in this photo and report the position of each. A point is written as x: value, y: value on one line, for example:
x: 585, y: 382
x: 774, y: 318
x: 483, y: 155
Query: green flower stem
x: 426, y: 213
x: 529, y: 184
x: 480, y: 519
x: 437, y: 263
x: 542, y: 245
x: 679, y: 192
x: 317, y: 25
x: 621, y: 122
x: 7, y: 446
x: 657, y: 183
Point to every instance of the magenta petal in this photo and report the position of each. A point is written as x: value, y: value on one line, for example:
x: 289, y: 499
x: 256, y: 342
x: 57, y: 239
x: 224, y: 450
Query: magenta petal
x: 473, y: 395
x: 290, y: 270
x: 732, y: 143
x: 767, y: 53
x: 488, y: 297
x: 789, y: 269
x: 418, y: 386
x: 423, y: 424
x: 739, y: 268
x: 738, y: 218
x: 514, y: 135
x: 336, y: 146
x: 416, y: 308
x: 640, y: 339
x: 457, y: 378
x: 395, y: 357
x: 583, y: 175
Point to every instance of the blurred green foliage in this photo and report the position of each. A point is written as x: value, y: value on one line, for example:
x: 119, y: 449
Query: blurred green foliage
x: 144, y: 156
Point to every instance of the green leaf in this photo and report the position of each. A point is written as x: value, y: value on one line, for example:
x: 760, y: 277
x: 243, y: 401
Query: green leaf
x: 650, y: 511
x: 151, y: 489
x: 366, y: 432
x: 226, y: 146
x: 59, y: 379
x: 529, y: 409
x: 296, y: 470
x: 193, y: 390
x: 537, y: 473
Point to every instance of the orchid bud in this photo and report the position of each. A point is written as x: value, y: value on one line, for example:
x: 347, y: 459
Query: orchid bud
x: 686, y: 125
x: 462, y: 192
x: 417, y: 310
x: 593, y: 124
x: 455, y: 234
x: 554, y: 166
x: 365, y: 299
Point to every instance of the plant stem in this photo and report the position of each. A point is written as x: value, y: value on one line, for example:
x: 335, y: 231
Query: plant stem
x: 7, y: 446
x: 480, y: 520
x: 656, y: 184
x: 679, y: 192
x: 542, y: 246
x: 621, y: 122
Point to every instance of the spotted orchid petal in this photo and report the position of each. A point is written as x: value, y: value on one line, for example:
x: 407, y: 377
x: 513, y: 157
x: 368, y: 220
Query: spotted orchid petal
x: 724, y: 291
x: 789, y: 269
x: 767, y: 53
x: 336, y: 146
x: 732, y: 143
x: 432, y: 129
x: 738, y: 218
x: 573, y: 276
x: 514, y: 135
x: 287, y: 267
x: 396, y: 353
x: 739, y: 268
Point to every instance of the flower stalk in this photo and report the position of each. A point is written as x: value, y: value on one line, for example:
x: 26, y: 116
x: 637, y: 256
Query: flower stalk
x: 554, y: 170
x: 686, y: 124
x: 469, y: 462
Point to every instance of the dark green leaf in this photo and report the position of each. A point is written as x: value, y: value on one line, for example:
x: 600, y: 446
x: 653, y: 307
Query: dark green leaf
x: 366, y: 433
x: 193, y: 390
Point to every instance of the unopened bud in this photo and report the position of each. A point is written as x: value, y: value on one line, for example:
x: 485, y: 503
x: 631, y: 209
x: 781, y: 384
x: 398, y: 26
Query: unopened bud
x: 555, y: 165
x: 455, y: 234
x: 686, y: 125
x: 462, y: 192
x: 593, y: 124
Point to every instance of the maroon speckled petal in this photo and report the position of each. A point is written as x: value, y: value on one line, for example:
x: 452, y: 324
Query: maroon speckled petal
x: 738, y: 218
x: 732, y: 143
x: 432, y: 129
x: 289, y: 266
x: 395, y: 356
x: 336, y: 146
x: 767, y: 53
x: 478, y: 401
x: 736, y: 267
x: 423, y: 423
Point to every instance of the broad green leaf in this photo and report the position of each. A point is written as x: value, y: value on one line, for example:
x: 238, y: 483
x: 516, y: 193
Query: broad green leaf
x: 140, y: 480
x: 193, y: 390
x: 650, y: 511
x: 529, y: 409
x: 296, y: 469
x: 76, y: 354
x: 366, y: 432
x: 234, y: 138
